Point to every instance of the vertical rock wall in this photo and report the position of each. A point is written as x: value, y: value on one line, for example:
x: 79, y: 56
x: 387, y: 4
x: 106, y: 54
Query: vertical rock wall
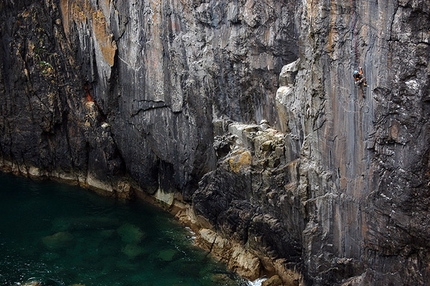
x: 351, y: 186
x: 50, y: 123
x: 365, y: 154
x: 162, y: 70
x: 164, y: 97
x: 157, y: 73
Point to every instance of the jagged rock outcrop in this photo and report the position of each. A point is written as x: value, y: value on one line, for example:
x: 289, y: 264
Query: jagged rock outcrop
x: 320, y: 181
x: 249, y: 198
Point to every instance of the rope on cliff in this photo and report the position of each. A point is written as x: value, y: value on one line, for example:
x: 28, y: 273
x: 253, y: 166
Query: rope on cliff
x: 354, y: 33
x: 358, y: 106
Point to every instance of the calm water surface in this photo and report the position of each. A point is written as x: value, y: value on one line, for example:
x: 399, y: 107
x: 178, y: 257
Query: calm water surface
x: 64, y: 235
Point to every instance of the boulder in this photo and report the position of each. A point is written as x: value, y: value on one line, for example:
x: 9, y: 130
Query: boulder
x: 275, y: 280
x: 58, y: 240
x: 167, y: 255
x: 133, y: 250
x: 130, y: 233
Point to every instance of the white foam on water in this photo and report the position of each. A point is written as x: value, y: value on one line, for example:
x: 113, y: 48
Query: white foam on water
x: 257, y: 282
x: 192, y: 235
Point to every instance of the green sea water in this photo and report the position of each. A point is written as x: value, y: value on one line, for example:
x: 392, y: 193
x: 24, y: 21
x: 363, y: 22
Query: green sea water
x: 63, y: 235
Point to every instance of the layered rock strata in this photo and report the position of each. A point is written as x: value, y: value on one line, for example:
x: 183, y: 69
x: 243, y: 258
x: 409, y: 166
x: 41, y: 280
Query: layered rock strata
x: 303, y: 174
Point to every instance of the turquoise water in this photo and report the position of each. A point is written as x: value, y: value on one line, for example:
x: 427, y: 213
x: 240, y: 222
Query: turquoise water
x: 64, y: 235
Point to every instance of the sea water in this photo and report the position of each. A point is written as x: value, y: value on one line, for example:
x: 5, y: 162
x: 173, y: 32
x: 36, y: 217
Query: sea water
x: 63, y: 235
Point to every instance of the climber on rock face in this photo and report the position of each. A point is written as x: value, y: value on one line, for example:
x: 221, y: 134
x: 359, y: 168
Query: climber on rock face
x: 359, y: 77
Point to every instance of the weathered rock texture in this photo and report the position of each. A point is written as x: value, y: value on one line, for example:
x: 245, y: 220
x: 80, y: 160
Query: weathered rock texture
x: 365, y: 152
x: 319, y: 181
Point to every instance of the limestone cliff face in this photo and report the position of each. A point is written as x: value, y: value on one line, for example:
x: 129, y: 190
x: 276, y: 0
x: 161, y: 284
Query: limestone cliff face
x: 163, y: 70
x: 320, y: 181
x: 365, y: 154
